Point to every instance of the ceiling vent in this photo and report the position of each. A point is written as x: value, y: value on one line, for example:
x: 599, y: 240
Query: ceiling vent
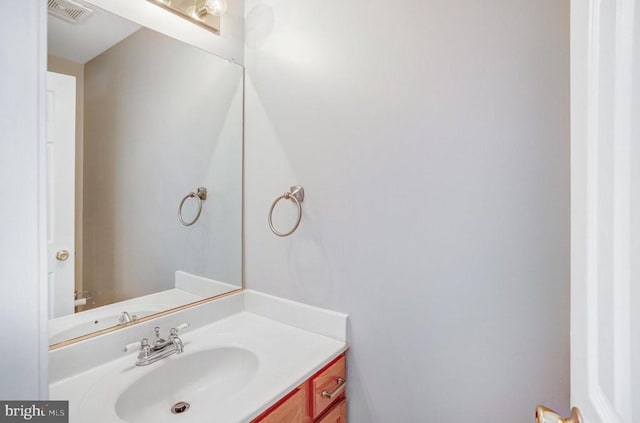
x: 69, y: 10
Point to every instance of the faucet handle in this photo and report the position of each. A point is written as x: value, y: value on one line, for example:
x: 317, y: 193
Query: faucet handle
x: 131, y: 346
x: 174, y: 331
x: 137, y: 346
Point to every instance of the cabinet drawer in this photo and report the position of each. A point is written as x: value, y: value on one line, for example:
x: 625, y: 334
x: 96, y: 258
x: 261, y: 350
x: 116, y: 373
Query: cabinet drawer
x: 337, y: 414
x: 291, y: 410
x: 328, y: 386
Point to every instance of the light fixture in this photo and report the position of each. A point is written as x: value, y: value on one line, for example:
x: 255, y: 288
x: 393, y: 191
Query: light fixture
x: 205, y: 13
x: 212, y: 7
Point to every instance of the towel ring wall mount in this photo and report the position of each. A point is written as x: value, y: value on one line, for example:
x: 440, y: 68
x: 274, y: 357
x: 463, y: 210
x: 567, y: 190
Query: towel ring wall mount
x: 295, y: 194
x: 200, y: 195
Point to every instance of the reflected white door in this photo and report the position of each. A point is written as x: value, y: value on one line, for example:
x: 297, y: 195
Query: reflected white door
x: 605, y: 216
x: 61, y: 112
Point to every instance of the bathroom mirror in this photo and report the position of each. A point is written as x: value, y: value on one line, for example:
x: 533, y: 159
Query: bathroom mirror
x: 137, y: 124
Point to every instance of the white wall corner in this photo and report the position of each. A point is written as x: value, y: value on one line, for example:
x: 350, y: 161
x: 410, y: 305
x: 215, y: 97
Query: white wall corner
x: 23, y: 305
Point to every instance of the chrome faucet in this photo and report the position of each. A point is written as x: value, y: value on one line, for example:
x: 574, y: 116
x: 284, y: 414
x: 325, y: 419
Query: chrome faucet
x: 127, y: 318
x: 160, y: 349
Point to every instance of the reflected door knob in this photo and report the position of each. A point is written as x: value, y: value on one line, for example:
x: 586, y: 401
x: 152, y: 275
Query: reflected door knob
x: 62, y: 255
x: 544, y: 415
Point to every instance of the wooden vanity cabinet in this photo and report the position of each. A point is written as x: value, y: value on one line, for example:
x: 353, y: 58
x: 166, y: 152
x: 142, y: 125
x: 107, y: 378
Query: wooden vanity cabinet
x: 337, y: 413
x: 320, y: 399
x: 292, y: 408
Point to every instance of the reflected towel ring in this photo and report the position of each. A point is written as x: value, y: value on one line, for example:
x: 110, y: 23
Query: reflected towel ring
x: 295, y: 194
x: 200, y: 195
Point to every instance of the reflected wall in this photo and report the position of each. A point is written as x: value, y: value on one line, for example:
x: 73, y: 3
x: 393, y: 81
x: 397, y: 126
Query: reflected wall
x: 161, y: 119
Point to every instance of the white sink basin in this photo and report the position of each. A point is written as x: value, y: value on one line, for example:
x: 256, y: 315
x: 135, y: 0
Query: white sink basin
x: 231, y: 370
x: 198, y: 379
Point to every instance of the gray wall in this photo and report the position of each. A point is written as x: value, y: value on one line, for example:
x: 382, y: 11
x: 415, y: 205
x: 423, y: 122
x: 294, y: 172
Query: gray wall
x: 161, y: 119
x: 23, y: 303
x: 432, y: 139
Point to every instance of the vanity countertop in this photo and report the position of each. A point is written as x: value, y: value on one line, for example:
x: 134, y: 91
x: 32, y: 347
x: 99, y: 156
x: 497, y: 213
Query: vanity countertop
x: 282, y: 357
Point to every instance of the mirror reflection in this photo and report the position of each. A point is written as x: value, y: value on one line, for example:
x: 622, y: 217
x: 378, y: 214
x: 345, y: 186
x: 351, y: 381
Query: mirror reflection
x: 137, y: 122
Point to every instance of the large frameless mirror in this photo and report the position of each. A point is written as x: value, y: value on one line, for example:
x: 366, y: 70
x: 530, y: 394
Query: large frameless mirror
x: 144, y: 158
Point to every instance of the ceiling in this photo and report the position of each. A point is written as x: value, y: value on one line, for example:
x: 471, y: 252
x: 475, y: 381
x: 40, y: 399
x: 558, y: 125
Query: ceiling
x: 81, y: 42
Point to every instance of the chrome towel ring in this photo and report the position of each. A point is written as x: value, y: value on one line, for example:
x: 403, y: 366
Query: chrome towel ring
x: 295, y: 194
x: 200, y: 195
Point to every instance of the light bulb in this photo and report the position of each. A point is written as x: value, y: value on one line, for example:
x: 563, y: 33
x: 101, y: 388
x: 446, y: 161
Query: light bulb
x: 192, y: 11
x: 212, y: 7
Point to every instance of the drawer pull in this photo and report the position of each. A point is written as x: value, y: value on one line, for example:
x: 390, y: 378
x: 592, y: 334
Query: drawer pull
x: 341, y: 385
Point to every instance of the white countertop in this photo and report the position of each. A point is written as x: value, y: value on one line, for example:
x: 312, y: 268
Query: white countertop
x: 286, y: 357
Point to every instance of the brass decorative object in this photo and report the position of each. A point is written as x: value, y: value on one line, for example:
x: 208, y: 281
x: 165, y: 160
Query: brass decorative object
x: 545, y: 415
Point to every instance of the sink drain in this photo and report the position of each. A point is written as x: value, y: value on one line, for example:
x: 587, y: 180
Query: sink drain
x: 180, y: 407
